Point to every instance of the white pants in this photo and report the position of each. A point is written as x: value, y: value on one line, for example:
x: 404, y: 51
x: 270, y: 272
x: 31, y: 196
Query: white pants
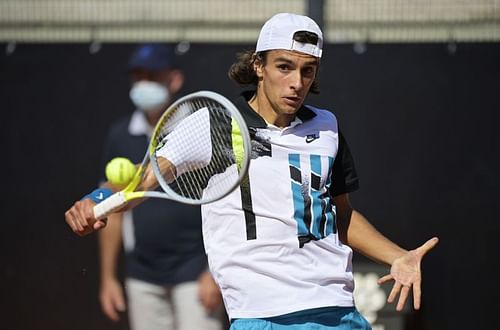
x: 155, y: 307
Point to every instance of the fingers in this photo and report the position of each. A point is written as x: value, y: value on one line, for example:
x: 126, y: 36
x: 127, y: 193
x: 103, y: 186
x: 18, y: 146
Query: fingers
x: 417, y: 293
x: 109, y: 310
x: 112, y: 307
x: 405, y: 271
x: 396, y: 288
x: 403, y: 296
x: 210, y: 300
x: 427, y: 246
x: 422, y: 250
x: 384, y: 279
x: 71, y: 221
x: 112, y: 300
x: 403, y: 291
x: 80, y: 218
x: 99, y: 224
x: 86, y: 220
x: 208, y: 292
x: 74, y: 218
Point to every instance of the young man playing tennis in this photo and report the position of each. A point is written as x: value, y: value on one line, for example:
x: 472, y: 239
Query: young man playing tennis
x: 279, y: 246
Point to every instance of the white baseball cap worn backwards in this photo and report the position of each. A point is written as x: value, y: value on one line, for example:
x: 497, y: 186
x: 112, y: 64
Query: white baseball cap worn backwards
x: 278, y: 32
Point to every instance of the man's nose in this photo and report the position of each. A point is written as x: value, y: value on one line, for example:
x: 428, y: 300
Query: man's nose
x: 296, y: 80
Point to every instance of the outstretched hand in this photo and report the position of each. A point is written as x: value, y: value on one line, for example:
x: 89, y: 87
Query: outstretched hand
x: 406, y: 274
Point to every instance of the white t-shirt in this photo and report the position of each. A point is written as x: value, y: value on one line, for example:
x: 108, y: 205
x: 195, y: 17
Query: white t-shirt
x: 272, y: 244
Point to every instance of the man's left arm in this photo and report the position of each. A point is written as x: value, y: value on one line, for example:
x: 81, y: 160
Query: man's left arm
x: 358, y: 233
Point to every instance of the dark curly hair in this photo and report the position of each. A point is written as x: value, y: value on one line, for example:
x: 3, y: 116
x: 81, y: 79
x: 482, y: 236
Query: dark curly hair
x: 242, y: 71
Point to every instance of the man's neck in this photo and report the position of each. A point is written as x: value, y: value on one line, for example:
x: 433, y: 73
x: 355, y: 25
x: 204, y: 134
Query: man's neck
x: 265, y: 110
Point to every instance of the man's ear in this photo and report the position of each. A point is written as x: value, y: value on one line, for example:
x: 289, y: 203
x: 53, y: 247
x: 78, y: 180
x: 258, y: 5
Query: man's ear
x: 176, y: 81
x: 257, y: 67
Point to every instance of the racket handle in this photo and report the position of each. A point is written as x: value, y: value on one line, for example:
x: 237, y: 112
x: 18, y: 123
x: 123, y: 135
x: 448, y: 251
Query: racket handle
x: 109, y: 205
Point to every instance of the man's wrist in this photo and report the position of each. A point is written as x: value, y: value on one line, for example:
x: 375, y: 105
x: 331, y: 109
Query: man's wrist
x: 98, y: 195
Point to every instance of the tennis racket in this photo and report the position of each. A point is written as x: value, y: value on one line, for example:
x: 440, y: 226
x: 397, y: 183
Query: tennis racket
x: 198, y: 153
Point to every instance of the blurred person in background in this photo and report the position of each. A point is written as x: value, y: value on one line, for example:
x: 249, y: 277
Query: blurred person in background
x: 167, y: 283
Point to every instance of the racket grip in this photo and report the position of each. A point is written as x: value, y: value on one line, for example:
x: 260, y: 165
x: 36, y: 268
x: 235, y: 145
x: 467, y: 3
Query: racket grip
x: 109, y: 205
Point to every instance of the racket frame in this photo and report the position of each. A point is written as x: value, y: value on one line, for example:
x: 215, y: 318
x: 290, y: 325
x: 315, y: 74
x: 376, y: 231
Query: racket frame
x: 121, y: 198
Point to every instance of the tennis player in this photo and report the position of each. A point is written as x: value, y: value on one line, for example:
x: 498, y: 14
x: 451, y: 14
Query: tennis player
x: 280, y: 246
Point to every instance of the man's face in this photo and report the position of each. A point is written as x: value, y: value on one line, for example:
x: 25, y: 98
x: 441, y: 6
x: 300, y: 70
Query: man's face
x: 285, y: 79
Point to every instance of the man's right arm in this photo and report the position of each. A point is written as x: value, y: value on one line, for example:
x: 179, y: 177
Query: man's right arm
x: 80, y: 216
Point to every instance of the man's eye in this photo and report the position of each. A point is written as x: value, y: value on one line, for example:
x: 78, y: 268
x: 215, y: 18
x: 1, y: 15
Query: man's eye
x: 283, y: 67
x: 308, y: 71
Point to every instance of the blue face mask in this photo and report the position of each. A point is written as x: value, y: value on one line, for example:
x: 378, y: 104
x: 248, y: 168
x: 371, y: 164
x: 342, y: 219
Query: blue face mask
x: 148, y: 95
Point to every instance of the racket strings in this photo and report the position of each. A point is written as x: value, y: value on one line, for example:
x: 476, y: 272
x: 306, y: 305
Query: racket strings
x: 197, y: 176
x: 221, y: 152
x: 191, y: 183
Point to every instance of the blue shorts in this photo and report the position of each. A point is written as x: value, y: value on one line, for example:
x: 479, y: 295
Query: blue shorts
x: 326, y: 318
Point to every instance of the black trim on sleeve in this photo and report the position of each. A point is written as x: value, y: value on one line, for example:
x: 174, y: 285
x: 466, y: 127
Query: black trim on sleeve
x: 344, y: 175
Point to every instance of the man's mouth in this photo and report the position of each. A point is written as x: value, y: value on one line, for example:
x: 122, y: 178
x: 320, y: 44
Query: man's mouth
x: 292, y: 100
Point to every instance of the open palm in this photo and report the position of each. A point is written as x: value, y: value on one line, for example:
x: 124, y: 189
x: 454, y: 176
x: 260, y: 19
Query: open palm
x: 406, y: 274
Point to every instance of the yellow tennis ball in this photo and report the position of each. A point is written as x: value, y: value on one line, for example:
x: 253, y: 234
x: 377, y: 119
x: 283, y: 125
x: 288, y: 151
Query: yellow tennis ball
x: 120, y: 171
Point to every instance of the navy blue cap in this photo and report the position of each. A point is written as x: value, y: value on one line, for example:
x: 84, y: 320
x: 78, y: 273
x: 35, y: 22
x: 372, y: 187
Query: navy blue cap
x: 152, y: 57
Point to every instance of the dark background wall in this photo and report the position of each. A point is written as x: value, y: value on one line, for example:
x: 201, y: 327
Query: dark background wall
x: 422, y: 124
